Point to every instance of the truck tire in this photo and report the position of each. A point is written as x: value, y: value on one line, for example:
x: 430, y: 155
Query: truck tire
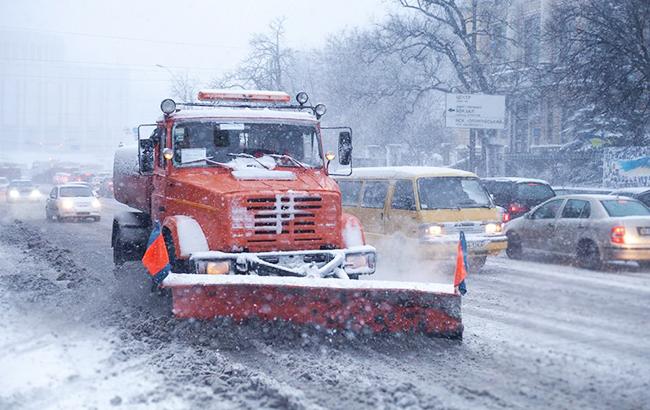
x: 177, y: 265
x: 129, y: 237
x: 118, y: 250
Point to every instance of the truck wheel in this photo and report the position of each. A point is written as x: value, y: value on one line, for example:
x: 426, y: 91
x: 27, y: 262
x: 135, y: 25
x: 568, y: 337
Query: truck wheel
x: 118, y: 250
x: 178, y: 265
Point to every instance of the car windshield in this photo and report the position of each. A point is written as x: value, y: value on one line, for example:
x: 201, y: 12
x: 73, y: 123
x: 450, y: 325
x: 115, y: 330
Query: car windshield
x: 22, y: 184
x: 534, y: 191
x: 625, y: 207
x: 451, y: 192
x: 216, y: 141
x: 75, y: 191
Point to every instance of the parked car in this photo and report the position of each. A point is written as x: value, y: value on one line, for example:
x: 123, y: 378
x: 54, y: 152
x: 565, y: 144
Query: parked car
x: 72, y: 201
x: 517, y: 195
x: 590, y: 228
x: 640, y: 193
x: 22, y: 190
x: 426, y: 208
x: 571, y: 190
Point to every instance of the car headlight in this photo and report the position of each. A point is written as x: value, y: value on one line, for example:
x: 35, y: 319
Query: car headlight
x: 95, y: 203
x: 67, y: 204
x: 35, y: 194
x: 431, y: 231
x: 14, y: 194
x: 493, y: 228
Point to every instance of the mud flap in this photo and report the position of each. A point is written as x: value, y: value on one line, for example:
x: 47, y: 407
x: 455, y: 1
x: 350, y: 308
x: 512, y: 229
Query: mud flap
x: 358, y: 306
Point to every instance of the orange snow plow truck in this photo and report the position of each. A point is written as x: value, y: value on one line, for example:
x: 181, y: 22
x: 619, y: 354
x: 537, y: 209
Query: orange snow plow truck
x: 253, y: 224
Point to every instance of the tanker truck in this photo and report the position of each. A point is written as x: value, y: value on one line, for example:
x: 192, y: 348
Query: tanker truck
x: 238, y: 187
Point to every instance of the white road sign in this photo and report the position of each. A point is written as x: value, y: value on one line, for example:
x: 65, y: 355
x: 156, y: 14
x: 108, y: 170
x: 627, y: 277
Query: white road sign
x: 475, y: 111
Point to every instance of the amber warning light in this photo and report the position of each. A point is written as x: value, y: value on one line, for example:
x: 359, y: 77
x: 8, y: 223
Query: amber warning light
x: 244, y: 96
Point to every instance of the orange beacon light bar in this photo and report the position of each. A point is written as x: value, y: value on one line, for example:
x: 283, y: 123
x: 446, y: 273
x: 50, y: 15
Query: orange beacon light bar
x: 244, y: 96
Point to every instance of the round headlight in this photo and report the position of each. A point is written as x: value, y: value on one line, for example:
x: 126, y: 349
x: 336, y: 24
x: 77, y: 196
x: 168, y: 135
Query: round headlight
x: 302, y: 98
x: 168, y: 153
x: 320, y: 110
x: 168, y: 106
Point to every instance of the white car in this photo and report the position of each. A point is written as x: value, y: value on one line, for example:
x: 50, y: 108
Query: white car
x: 72, y: 201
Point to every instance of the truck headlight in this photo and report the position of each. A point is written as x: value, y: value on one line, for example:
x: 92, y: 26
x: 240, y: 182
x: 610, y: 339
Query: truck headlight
x: 213, y: 267
x: 493, y: 228
x: 14, y: 194
x: 67, y: 204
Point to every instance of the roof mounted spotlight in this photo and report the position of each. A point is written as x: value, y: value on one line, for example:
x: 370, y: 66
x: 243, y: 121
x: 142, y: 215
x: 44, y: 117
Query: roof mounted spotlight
x: 302, y: 98
x: 320, y: 110
x: 168, y: 106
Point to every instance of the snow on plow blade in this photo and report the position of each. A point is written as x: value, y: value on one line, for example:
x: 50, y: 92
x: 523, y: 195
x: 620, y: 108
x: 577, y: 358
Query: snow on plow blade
x: 356, y: 305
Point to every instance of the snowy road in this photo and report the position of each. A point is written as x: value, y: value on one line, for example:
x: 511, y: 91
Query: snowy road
x: 537, y: 335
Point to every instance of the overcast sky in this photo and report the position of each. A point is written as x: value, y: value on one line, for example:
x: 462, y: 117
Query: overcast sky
x: 203, y: 37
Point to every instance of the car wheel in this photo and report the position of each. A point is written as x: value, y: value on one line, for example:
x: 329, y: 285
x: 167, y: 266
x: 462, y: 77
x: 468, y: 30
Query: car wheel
x: 514, y: 249
x: 588, y: 256
x: 97, y: 218
x: 645, y: 265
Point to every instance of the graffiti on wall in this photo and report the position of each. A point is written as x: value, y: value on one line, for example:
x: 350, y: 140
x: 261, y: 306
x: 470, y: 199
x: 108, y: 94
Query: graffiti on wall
x: 626, y: 167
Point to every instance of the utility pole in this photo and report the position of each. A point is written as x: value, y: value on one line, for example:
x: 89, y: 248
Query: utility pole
x: 472, y: 131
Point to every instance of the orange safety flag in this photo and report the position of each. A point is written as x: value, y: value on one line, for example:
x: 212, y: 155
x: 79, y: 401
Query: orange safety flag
x: 156, y: 258
x: 461, y: 265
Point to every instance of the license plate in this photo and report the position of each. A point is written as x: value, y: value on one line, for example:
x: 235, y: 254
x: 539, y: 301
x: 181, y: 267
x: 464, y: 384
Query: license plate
x: 476, y: 244
x: 644, y: 231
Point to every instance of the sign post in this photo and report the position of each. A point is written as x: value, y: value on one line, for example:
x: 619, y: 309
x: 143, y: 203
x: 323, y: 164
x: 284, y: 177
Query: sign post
x: 475, y: 111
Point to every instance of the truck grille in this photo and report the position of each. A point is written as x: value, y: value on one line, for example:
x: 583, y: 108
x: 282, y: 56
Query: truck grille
x: 287, y: 221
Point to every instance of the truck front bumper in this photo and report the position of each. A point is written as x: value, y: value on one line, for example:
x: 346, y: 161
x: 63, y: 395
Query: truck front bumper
x: 341, y: 263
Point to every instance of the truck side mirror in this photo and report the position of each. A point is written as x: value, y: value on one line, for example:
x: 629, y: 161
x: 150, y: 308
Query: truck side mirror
x: 345, y: 147
x: 145, y: 155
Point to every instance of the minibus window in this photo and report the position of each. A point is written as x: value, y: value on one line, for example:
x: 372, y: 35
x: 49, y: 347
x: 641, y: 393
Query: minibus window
x: 350, y: 192
x: 452, y: 193
x: 403, y: 196
x: 374, y: 195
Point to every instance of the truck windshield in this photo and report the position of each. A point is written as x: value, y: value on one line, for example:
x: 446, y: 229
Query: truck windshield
x: 221, y: 141
x: 452, y: 193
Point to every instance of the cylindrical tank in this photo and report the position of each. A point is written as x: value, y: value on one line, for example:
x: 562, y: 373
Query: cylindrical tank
x: 131, y: 188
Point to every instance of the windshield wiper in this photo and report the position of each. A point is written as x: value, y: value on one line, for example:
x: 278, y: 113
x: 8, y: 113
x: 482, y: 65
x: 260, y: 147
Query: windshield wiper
x: 290, y: 158
x: 249, y: 156
x: 209, y: 161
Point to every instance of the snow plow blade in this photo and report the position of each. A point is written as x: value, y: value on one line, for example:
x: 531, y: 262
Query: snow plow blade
x: 360, y: 306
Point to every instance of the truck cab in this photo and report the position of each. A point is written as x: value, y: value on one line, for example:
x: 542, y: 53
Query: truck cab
x: 239, y: 184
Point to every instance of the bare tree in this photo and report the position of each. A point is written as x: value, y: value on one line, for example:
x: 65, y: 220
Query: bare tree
x: 184, y: 87
x: 603, y: 65
x: 266, y: 66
